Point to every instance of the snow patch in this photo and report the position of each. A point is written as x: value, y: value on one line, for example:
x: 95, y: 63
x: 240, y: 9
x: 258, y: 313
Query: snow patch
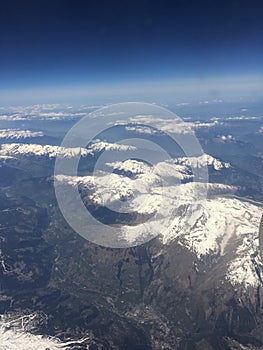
x: 16, y: 333
x: 202, y: 161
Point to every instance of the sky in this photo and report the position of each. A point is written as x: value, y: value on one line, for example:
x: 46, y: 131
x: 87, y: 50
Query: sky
x: 50, y: 49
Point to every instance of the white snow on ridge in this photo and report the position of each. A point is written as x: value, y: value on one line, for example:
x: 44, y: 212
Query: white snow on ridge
x: 168, y: 170
x: 202, y: 161
x: 242, y: 117
x: 142, y: 129
x: 161, y: 125
x: 221, y: 226
x: 4, y: 158
x: 99, y: 146
x: 13, y: 340
x: 179, y: 168
x: 159, y: 181
x: 173, y: 126
x: 19, y: 134
x: 16, y: 149
x: 16, y: 334
x: 208, y: 227
x: 164, y: 169
x: 130, y: 165
x: 40, y: 116
x: 43, y: 112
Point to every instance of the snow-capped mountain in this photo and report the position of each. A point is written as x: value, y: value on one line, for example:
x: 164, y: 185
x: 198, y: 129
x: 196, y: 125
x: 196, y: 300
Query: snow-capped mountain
x: 205, y: 218
x: 19, y: 134
x: 20, y: 149
x: 223, y: 226
x: 173, y: 126
x: 149, y: 184
x: 202, y: 161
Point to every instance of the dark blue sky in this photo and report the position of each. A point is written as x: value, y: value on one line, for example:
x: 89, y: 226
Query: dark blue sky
x: 69, y: 43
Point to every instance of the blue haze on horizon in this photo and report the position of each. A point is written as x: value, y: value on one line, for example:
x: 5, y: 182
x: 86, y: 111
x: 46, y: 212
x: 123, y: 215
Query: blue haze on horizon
x: 115, y: 51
